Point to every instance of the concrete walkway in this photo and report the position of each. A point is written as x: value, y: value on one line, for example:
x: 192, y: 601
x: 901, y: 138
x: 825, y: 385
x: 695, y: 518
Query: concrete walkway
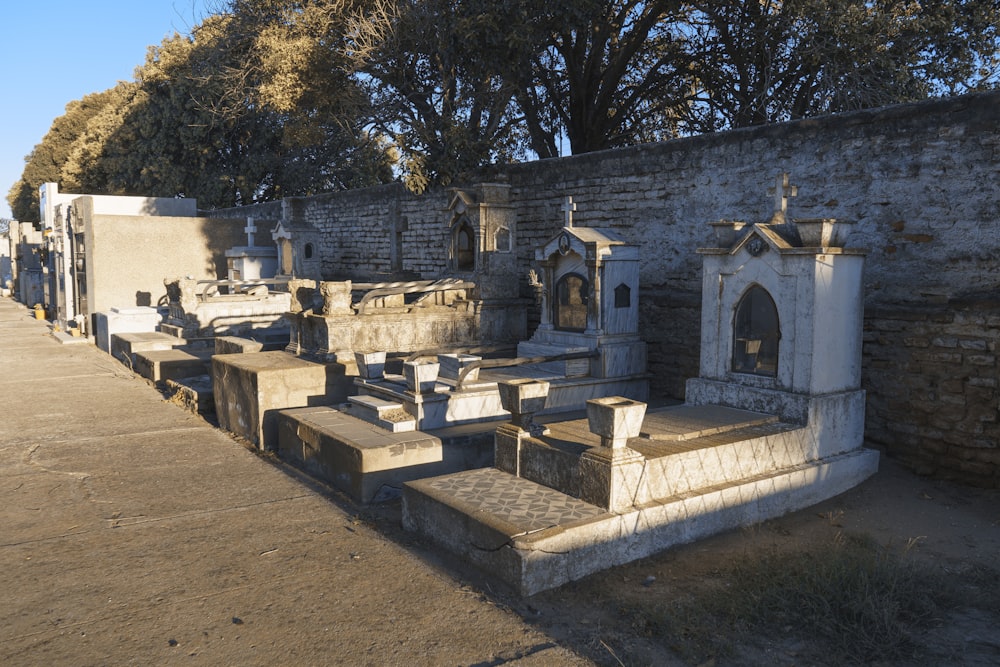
x: 132, y: 532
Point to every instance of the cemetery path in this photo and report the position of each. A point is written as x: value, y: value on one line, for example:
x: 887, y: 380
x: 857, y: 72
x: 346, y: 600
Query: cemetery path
x: 132, y: 532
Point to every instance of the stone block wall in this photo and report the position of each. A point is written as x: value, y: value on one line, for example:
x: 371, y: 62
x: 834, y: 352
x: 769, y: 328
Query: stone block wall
x: 917, y: 185
x: 931, y: 374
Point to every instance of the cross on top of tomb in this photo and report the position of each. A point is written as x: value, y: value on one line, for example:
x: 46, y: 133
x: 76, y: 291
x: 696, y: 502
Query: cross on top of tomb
x: 781, y: 191
x: 568, y: 208
x: 250, y: 229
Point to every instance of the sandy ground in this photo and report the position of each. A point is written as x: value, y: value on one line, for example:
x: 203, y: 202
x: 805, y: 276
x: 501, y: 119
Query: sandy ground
x: 132, y: 532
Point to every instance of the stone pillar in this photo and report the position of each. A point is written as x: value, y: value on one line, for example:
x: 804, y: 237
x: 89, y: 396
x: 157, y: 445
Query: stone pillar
x: 522, y: 399
x: 595, y: 326
x: 303, y: 292
x: 611, y: 475
x: 336, y: 297
x: 549, y: 296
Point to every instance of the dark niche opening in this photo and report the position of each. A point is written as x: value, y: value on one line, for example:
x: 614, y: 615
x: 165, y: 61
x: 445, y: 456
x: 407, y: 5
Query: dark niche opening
x: 756, y: 333
x: 465, y: 247
x: 572, y: 296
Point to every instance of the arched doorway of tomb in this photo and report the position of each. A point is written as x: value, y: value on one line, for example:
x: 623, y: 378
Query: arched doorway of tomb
x: 756, y: 333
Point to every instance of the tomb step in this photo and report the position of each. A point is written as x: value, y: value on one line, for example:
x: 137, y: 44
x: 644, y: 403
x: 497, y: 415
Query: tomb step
x: 162, y: 365
x: 534, y: 538
x: 384, y: 414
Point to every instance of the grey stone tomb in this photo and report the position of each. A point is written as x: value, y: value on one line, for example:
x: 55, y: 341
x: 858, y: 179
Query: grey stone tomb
x: 773, y: 424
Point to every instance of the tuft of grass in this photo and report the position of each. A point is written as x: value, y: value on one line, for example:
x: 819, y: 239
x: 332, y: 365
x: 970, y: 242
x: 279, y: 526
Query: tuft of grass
x: 852, y: 601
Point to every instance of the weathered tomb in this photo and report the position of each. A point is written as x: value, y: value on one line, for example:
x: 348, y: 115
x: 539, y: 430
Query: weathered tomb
x: 594, y: 355
x: 252, y: 261
x: 589, y: 289
x: 470, y: 301
x: 209, y: 308
x: 772, y: 427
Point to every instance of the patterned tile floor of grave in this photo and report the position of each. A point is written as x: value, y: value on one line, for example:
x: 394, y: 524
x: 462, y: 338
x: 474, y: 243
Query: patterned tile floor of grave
x: 520, y: 502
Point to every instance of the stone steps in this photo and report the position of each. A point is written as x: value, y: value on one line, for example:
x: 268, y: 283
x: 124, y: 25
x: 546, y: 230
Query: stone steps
x: 162, y: 365
x: 384, y: 414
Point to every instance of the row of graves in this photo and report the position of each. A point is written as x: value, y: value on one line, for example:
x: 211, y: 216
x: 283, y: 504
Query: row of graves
x: 536, y: 459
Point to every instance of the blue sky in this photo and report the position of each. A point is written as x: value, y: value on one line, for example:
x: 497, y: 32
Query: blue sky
x: 55, y: 52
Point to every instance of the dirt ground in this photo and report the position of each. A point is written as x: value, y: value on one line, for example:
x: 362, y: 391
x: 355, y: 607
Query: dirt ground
x: 937, y: 523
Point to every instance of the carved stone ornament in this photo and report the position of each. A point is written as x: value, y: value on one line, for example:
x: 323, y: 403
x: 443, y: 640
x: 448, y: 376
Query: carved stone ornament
x: 564, y: 243
x: 756, y: 246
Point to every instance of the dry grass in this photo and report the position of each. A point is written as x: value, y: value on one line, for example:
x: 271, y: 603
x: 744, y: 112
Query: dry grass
x: 851, y: 601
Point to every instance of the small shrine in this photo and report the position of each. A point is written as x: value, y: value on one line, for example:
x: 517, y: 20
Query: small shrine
x: 297, y: 244
x: 251, y: 262
x: 589, y: 288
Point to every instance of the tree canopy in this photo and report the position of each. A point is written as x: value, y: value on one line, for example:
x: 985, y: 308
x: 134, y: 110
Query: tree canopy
x: 270, y: 98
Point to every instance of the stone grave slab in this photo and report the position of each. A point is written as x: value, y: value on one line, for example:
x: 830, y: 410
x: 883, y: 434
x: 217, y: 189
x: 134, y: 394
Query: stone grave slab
x: 371, y: 463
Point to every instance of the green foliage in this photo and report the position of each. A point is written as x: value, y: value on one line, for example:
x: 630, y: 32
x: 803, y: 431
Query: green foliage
x: 271, y: 98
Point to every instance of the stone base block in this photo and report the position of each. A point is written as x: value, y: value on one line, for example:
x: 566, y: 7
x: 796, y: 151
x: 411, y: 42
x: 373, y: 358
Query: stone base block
x: 250, y: 389
x: 139, y: 319
x: 193, y: 393
x: 124, y: 346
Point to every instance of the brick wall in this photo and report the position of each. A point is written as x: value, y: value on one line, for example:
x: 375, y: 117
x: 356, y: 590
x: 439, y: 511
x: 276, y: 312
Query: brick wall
x: 919, y: 185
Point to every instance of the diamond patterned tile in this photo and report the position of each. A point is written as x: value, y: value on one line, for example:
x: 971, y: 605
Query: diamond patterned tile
x: 518, y: 501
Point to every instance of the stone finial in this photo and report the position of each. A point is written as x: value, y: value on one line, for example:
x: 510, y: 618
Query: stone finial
x: 568, y: 208
x: 782, y: 190
x: 336, y: 297
x: 522, y: 399
x: 615, y: 419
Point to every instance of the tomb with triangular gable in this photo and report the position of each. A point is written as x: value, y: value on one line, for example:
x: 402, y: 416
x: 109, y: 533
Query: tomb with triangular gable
x: 773, y: 423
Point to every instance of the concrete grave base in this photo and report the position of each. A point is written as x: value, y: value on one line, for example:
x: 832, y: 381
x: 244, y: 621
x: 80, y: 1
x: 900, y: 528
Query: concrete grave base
x: 193, y: 393
x: 562, y: 504
x: 124, y: 346
x: 371, y: 463
x: 534, y: 538
x: 250, y: 389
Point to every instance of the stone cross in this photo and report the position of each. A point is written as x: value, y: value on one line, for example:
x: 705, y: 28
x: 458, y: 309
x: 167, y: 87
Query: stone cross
x: 781, y: 191
x: 250, y: 229
x: 568, y: 208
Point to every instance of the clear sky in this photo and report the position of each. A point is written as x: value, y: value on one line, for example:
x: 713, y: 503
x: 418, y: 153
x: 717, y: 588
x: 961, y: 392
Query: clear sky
x: 54, y: 52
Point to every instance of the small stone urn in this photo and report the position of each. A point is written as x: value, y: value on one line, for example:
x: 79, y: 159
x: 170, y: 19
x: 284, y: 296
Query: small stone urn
x: 421, y: 376
x: 615, y: 419
x: 452, y: 366
x: 371, y: 365
x: 522, y: 399
x: 612, y: 475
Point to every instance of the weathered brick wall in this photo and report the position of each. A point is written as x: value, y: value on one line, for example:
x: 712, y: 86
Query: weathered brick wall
x: 919, y: 185
x: 931, y: 374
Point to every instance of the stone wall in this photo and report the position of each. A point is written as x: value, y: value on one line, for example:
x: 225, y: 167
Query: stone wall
x: 917, y: 183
